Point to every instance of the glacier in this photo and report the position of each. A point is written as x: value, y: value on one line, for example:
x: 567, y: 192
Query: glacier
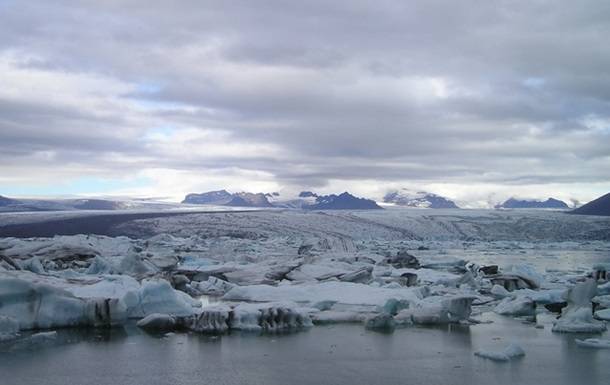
x: 288, y: 270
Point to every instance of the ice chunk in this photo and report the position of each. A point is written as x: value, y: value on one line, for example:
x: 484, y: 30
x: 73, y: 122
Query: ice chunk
x: 510, y: 352
x: 270, y: 317
x: 136, y: 265
x: 100, y: 265
x: 577, y: 317
x: 334, y: 316
x: 157, y: 322
x: 594, y: 343
x: 603, y: 314
x: 604, y: 289
x: 9, y: 328
x: 33, y: 264
x: 340, y: 292
x: 213, y: 286
x: 499, y: 291
x: 439, y: 310
x: 393, y: 306
x: 282, y: 317
x: 39, y: 338
x: 41, y: 306
x: 213, y: 319
x: 157, y: 296
x: 526, y: 273
x: 516, y: 306
x: 382, y: 321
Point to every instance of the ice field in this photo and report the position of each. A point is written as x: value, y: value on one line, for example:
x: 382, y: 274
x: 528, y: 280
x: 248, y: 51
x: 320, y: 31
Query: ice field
x: 396, y: 273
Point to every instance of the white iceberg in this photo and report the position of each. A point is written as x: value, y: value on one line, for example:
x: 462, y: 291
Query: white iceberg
x: 157, y: 296
x: 577, y: 317
x: 512, y: 351
x: 593, y: 343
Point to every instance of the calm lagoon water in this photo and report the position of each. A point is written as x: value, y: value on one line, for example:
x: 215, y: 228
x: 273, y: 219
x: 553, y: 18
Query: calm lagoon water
x: 335, y: 354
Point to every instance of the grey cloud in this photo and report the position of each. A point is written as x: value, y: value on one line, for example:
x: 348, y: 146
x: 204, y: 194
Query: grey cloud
x: 331, y: 97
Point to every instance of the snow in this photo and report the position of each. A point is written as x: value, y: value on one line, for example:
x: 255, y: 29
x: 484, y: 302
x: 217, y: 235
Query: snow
x: 512, y: 351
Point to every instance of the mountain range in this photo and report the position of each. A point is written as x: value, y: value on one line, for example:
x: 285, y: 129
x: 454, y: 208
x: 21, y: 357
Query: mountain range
x: 307, y: 200
x: 550, y: 203
x: 419, y: 199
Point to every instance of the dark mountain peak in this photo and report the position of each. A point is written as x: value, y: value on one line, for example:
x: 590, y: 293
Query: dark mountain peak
x: 599, y: 206
x: 343, y: 201
x: 4, y: 201
x: 550, y: 203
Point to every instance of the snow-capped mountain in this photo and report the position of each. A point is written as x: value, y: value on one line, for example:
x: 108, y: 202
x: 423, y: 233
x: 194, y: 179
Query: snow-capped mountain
x: 247, y: 199
x: 419, y: 199
x: 599, y: 206
x: 344, y: 201
x: 550, y: 203
x: 220, y: 197
x: 224, y: 198
x: 4, y: 201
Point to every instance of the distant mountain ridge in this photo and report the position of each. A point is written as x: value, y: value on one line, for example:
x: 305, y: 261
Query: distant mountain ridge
x: 307, y: 200
x: 4, y: 201
x: 550, y: 203
x: 599, y: 206
x: 344, y: 201
x: 220, y: 197
x: 34, y: 204
x: 224, y: 198
x: 420, y: 199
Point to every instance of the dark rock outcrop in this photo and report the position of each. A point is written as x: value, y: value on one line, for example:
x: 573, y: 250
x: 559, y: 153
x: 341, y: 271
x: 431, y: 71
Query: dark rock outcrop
x: 599, y: 206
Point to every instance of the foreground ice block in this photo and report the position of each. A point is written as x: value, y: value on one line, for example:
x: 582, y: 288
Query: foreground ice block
x: 510, y: 352
x: 41, y: 306
x: 438, y: 310
x: 577, y: 317
x: 594, y: 343
x: 157, y: 296
x: 270, y: 317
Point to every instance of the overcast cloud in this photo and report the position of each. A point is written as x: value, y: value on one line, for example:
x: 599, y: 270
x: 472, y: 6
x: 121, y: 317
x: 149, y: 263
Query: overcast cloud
x: 477, y: 100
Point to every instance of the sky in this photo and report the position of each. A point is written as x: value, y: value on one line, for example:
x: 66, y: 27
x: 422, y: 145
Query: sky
x: 477, y: 100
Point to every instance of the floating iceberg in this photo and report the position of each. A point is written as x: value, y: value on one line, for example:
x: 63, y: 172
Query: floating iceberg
x: 577, y: 317
x: 157, y: 296
x: 594, y: 343
x: 41, y: 306
x: 512, y: 351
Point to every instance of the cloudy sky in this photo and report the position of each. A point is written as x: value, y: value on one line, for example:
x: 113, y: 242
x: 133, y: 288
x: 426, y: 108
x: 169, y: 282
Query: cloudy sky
x: 476, y: 100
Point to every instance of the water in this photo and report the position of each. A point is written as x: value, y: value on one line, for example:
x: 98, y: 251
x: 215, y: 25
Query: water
x: 337, y: 354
